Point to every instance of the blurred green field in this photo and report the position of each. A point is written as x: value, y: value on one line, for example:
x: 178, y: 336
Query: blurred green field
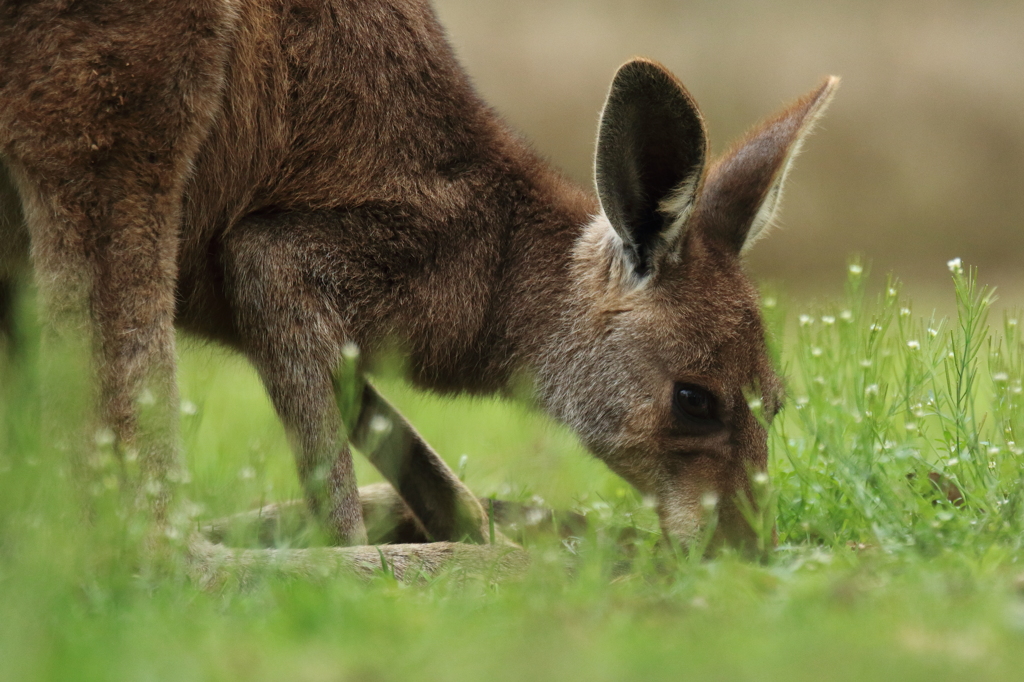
x: 877, y: 575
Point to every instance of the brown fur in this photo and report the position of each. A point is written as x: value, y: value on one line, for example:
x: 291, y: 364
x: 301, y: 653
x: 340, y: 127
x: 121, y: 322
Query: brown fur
x: 288, y: 177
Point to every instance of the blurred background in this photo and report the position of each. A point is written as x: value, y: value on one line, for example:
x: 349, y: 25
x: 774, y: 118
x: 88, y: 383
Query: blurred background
x: 919, y: 160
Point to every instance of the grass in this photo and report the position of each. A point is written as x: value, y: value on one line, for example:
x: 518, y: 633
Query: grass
x: 895, y: 471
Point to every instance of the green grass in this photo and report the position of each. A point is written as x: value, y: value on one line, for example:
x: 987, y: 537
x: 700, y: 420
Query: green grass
x: 877, y: 575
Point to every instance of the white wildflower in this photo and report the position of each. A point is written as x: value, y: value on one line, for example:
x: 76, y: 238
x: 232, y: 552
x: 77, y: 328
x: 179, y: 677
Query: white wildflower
x: 955, y: 266
x: 103, y: 437
x: 350, y: 351
x: 380, y: 424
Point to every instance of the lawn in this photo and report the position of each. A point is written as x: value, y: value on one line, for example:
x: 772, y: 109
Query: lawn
x: 895, y: 472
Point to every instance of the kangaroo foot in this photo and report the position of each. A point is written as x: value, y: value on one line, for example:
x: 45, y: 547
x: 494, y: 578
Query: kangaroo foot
x: 390, y: 521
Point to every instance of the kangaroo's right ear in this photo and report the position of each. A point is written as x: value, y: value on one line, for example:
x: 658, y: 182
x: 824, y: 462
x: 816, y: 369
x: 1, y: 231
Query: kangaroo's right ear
x: 651, y: 149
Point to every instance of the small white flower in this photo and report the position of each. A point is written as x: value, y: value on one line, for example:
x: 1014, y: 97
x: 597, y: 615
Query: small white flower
x: 380, y: 424
x: 933, y: 332
x: 875, y: 327
x: 846, y: 315
x: 147, y: 397
x: 828, y: 319
x: 760, y: 478
x: 866, y: 362
x: 246, y: 473
x: 856, y: 268
x: 188, y: 408
x: 805, y: 320
x: 994, y: 450
x: 871, y: 389
x: 103, y: 437
x: 1012, y: 322
x: 911, y: 426
x: 350, y: 351
x: 914, y: 344
x: 709, y: 500
x: 955, y: 266
x: 816, y: 352
x: 754, y: 404
x: 891, y: 292
x: 953, y: 462
x: 991, y: 465
x: 1000, y: 377
x: 770, y: 302
x: 904, y: 312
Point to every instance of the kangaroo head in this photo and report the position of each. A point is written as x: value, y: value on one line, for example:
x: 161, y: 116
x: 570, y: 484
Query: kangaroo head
x: 666, y: 347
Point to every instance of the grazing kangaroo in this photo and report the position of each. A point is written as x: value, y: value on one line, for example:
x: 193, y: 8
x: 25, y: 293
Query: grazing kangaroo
x: 288, y: 178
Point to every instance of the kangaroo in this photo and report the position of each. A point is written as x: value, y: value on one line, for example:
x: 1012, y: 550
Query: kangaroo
x: 297, y: 178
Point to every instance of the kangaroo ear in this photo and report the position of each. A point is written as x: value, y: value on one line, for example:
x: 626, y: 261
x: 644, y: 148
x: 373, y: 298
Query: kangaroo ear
x: 744, y: 188
x: 651, y: 148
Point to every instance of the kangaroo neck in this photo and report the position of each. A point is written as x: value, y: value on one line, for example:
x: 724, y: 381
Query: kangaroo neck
x: 534, y: 290
x: 509, y: 279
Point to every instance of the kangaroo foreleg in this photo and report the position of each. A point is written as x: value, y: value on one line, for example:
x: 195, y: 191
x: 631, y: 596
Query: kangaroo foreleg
x: 439, y: 500
x: 290, y: 331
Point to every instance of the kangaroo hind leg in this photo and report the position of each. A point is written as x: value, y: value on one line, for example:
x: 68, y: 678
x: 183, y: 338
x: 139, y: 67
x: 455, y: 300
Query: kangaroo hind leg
x: 99, y: 126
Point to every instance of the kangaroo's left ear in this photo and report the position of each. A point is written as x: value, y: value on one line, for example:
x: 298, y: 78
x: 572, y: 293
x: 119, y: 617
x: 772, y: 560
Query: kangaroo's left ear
x: 651, y: 148
x: 743, y: 189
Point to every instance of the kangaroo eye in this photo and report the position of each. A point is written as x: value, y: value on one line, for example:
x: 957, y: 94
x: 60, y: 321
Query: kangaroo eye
x: 695, y: 402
